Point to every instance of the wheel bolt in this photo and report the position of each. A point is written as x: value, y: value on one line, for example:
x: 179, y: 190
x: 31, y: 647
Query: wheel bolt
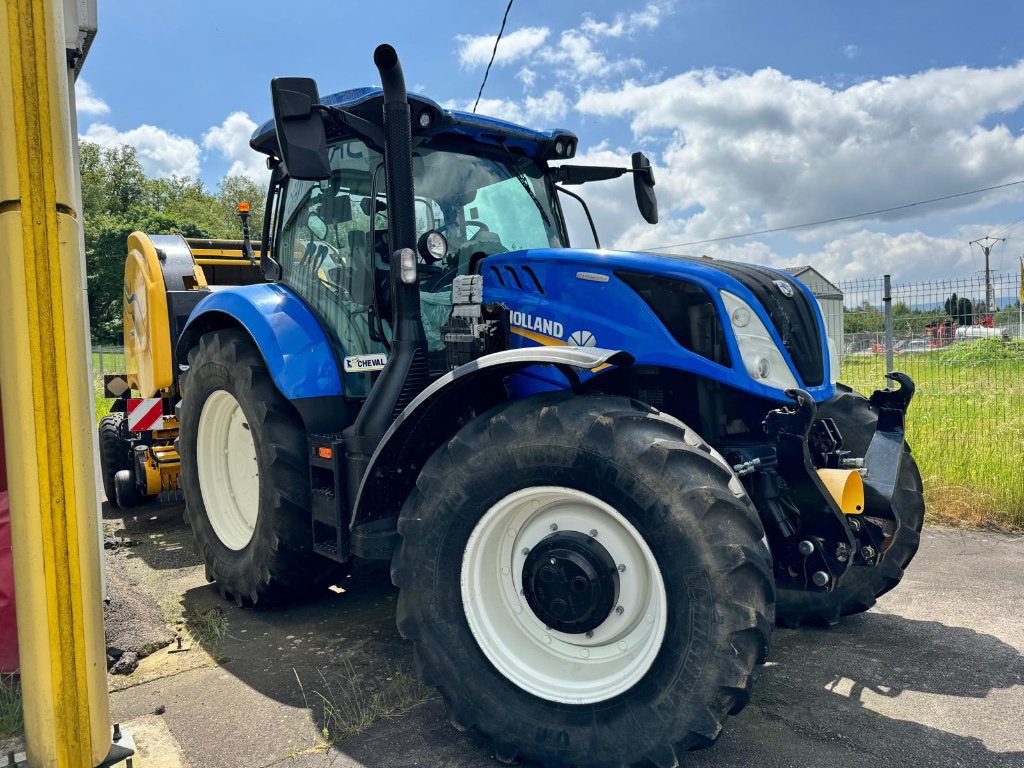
x: 806, y: 547
x: 526, y: 551
x: 553, y: 561
x: 593, y: 533
x: 868, y: 552
x: 619, y: 610
x: 554, y: 526
x: 622, y: 567
x: 590, y: 634
x: 820, y: 578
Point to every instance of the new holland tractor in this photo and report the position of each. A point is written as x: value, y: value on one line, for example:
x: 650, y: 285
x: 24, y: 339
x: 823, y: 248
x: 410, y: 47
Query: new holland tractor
x: 600, y: 477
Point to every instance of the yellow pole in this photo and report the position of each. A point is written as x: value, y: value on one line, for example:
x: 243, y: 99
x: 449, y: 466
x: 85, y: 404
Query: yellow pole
x: 47, y: 398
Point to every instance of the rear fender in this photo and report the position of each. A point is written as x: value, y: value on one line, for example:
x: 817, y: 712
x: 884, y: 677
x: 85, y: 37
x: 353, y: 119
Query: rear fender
x: 291, y: 340
x: 436, y: 414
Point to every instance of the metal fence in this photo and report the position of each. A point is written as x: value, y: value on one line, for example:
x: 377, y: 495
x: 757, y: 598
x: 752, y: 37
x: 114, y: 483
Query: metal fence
x: 106, y: 360
x: 962, y: 342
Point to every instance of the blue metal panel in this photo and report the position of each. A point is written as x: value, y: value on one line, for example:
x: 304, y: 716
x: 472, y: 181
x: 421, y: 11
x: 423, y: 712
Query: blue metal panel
x: 616, y: 317
x: 480, y: 128
x: 294, y: 345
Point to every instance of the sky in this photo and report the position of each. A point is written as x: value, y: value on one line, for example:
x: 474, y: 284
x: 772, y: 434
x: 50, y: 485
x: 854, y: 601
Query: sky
x: 755, y: 115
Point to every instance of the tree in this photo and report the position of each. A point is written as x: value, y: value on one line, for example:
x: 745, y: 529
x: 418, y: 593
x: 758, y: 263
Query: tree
x: 960, y: 309
x: 118, y: 199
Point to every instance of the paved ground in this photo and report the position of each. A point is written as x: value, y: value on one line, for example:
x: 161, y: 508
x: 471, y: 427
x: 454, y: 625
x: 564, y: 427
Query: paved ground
x: 934, y: 676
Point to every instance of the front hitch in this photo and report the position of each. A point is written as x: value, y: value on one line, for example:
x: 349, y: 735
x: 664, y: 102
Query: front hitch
x: 823, y: 551
x: 882, y: 463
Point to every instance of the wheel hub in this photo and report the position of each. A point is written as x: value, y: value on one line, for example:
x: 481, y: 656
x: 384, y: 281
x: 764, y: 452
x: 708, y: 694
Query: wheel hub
x: 570, y: 582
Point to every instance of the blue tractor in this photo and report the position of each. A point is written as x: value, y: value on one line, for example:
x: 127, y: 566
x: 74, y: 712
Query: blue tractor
x: 600, y: 477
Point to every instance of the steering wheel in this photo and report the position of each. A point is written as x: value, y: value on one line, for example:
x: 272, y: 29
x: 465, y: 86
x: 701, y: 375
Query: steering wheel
x: 474, y: 223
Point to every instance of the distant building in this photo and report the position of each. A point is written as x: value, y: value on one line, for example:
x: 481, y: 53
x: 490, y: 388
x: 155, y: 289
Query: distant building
x: 830, y: 297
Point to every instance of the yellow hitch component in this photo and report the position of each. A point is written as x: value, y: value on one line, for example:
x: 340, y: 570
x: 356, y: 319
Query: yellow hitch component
x: 846, y: 487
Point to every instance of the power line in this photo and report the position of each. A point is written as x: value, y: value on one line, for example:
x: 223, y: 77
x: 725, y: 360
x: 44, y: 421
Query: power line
x: 494, y: 53
x: 1008, y: 227
x: 863, y: 215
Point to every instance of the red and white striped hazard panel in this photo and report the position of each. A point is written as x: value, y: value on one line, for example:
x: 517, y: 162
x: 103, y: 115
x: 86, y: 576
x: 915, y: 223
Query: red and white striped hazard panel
x: 145, y: 413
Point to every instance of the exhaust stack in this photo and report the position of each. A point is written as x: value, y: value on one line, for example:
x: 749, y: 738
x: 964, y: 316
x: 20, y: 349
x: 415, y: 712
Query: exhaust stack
x: 406, y: 373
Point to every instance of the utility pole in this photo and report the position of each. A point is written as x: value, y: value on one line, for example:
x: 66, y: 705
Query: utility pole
x: 986, y: 244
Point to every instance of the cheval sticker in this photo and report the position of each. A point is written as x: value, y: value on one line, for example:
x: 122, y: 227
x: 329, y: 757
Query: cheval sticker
x: 540, y: 325
x: 364, y: 363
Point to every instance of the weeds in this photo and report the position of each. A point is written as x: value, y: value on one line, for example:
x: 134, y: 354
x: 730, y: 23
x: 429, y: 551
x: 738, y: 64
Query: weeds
x: 208, y: 628
x: 356, y: 705
x: 10, y: 706
x: 966, y: 428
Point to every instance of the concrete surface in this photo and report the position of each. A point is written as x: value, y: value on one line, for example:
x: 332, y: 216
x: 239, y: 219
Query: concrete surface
x: 933, y: 676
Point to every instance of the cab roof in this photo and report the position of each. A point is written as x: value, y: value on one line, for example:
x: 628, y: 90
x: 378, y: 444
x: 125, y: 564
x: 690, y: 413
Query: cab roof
x: 367, y: 103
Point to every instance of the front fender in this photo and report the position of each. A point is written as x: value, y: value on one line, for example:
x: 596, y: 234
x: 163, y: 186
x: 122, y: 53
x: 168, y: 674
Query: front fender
x: 294, y: 346
x: 434, y: 416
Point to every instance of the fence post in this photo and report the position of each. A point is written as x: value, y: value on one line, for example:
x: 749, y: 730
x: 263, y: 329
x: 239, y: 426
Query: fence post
x: 887, y: 305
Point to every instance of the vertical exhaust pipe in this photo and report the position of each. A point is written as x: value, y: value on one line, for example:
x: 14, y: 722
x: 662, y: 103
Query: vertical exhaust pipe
x: 406, y: 373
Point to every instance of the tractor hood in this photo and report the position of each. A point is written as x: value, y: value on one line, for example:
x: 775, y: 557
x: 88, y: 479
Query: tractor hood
x: 787, y: 304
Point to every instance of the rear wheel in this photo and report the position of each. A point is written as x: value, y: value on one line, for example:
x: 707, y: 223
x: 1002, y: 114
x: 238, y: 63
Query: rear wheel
x: 114, y: 454
x: 862, y: 585
x: 246, y: 476
x: 584, y: 582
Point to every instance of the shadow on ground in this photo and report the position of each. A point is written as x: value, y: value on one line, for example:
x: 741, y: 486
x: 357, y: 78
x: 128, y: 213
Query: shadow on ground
x: 879, y: 690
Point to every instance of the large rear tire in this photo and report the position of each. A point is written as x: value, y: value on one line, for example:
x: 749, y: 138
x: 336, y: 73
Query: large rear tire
x: 245, y: 474
x: 564, y: 677
x: 114, y: 454
x: 862, y: 585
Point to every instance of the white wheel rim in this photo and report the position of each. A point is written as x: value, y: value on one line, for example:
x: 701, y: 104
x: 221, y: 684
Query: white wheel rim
x: 566, y: 668
x: 229, y: 478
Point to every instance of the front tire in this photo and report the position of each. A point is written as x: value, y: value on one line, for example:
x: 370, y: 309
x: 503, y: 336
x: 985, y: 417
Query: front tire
x: 861, y: 586
x: 577, y: 478
x: 245, y: 475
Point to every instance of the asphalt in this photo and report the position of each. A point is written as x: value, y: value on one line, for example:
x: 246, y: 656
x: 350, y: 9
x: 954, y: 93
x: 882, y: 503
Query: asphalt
x: 933, y: 676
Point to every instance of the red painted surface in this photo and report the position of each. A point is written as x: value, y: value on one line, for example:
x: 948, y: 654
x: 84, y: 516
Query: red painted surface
x: 8, y: 628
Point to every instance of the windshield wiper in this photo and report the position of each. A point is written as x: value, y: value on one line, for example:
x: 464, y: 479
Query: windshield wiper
x: 526, y: 185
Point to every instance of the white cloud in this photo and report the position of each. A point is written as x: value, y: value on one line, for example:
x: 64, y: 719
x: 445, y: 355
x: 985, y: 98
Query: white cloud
x: 475, y: 50
x: 160, y: 152
x: 527, y: 76
x: 752, y: 151
x: 546, y: 109
x: 851, y: 51
x: 626, y: 24
x: 230, y: 139
x: 87, y: 102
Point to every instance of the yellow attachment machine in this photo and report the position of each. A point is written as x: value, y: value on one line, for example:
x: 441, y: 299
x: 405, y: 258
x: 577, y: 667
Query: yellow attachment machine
x: 165, y: 277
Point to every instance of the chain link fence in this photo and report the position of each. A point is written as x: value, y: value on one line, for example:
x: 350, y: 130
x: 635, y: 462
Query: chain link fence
x: 962, y: 342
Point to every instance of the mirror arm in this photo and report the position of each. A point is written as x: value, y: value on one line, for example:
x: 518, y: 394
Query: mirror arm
x: 586, y: 210
x: 364, y: 129
x: 581, y: 174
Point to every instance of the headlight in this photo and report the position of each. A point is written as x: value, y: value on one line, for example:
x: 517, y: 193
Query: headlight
x: 432, y: 246
x: 761, y: 356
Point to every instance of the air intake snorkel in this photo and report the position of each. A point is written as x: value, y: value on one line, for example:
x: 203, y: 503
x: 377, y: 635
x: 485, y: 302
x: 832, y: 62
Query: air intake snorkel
x: 406, y: 373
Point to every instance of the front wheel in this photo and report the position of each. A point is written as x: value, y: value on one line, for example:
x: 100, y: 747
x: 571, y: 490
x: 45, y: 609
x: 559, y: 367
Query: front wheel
x: 245, y: 475
x: 584, y: 582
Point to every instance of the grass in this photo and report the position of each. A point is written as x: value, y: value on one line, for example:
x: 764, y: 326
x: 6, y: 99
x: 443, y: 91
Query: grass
x: 11, y: 722
x: 351, y: 706
x: 107, y: 362
x: 208, y: 628
x: 965, y: 426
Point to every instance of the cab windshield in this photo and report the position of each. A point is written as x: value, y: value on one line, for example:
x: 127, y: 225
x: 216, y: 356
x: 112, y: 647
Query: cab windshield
x: 332, y: 237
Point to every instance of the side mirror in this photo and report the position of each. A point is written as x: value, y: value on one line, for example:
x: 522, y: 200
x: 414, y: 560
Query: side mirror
x: 643, y: 185
x: 300, y: 128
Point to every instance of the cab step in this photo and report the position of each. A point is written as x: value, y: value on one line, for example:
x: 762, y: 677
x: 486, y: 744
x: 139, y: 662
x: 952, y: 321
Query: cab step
x: 327, y: 496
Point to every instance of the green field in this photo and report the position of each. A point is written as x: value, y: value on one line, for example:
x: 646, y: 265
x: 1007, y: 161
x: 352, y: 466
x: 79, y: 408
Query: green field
x: 965, y: 426
x: 106, y: 362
